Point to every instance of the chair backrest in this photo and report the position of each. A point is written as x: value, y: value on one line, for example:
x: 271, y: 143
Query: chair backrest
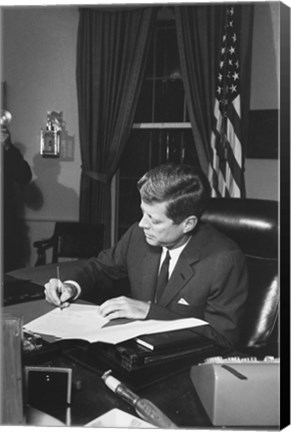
x: 77, y: 240
x: 253, y: 225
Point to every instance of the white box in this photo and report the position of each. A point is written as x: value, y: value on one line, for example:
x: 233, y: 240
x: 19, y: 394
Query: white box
x: 239, y: 394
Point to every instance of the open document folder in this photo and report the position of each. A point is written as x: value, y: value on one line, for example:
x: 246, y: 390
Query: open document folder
x: 81, y: 321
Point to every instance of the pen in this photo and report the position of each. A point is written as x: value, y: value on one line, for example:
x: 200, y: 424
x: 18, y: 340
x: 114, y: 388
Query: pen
x: 144, y: 408
x: 59, y: 280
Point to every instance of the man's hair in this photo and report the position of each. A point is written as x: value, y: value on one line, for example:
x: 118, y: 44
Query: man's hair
x: 185, y: 189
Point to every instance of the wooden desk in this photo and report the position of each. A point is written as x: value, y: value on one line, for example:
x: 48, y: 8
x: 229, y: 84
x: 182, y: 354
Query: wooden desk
x: 41, y: 274
x: 174, y: 395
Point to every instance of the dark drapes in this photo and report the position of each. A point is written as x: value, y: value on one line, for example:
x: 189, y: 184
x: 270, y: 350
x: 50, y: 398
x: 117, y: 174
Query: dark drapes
x: 199, y: 30
x: 111, y: 55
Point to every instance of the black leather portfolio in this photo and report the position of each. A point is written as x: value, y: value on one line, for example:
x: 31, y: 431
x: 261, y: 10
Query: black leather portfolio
x: 131, y: 355
x: 138, y: 365
x: 175, y: 340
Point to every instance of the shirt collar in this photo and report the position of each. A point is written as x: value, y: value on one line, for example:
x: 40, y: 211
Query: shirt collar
x: 175, y: 253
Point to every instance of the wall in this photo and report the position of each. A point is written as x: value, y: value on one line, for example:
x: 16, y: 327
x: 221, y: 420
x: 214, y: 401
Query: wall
x: 261, y: 175
x: 39, y: 53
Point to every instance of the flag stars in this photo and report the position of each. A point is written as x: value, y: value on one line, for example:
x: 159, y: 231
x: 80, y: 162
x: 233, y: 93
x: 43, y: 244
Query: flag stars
x: 228, y: 77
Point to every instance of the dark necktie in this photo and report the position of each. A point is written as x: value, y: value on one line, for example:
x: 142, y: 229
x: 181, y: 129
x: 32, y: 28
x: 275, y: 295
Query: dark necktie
x: 163, y: 277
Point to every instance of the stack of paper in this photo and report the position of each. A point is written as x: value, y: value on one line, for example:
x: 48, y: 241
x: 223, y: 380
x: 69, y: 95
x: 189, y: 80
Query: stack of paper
x: 85, y: 322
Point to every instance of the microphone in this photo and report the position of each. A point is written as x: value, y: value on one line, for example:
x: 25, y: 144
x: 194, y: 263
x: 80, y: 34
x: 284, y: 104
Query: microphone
x: 144, y: 408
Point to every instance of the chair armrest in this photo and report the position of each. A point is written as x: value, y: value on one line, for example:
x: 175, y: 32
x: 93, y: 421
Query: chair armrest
x: 45, y: 244
x: 42, y: 246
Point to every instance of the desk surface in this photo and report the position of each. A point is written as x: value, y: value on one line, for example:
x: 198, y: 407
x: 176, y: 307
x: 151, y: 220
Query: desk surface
x: 174, y: 395
x: 41, y: 274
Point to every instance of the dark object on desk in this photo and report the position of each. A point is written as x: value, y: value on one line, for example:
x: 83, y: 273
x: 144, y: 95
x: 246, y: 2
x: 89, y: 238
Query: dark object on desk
x: 253, y: 225
x: 178, y: 340
x: 71, y: 240
x: 49, y: 389
x: 36, y: 350
x: 44, y: 385
x: 138, y: 366
x: 20, y: 290
x: 131, y: 357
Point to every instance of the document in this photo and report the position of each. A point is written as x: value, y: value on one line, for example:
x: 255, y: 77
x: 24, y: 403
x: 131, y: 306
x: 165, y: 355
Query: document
x: 80, y: 321
x: 72, y: 322
x: 116, y: 418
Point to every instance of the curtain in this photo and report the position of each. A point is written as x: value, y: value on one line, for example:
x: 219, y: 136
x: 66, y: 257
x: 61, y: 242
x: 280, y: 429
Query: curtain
x: 199, y: 31
x: 112, y: 49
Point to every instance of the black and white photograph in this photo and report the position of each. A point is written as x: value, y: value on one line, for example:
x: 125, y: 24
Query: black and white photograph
x: 145, y: 215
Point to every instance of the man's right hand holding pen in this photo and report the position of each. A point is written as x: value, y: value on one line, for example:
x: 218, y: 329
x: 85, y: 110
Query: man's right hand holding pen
x: 60, y: 294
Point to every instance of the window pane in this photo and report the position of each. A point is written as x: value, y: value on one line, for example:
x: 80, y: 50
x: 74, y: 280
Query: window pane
x: 136, y: 157
x: 144, y: 108
x: 169, y: 101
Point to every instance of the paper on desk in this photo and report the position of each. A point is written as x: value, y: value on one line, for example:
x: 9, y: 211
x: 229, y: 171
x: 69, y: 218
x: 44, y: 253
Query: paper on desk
x: 72, y: 322
x: 116, y: 418
x: 85, y: 322
x: 123, y: 332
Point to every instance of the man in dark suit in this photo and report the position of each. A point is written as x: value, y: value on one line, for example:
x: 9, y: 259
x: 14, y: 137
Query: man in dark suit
x: 207, y: 276
x: 16, y: 172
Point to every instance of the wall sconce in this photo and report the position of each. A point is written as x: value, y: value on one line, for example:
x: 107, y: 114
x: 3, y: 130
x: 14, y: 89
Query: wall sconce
x: 6, y: 118
x: 50, y: 137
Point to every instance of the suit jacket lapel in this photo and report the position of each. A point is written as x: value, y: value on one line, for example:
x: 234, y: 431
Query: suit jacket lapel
x: 150, y: 272
x: 182, y: 273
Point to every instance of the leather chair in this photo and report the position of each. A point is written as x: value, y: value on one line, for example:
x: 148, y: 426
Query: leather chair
x: 253, y: 225
x: 71, y: 240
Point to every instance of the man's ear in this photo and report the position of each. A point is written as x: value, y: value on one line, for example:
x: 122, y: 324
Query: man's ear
x: 190, y: 223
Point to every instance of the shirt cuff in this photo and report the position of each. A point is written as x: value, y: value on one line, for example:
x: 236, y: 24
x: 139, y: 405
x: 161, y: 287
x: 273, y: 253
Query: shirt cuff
x: 76, y: 285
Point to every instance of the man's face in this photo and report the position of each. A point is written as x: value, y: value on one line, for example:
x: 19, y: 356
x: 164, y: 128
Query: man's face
x: 159, y: 229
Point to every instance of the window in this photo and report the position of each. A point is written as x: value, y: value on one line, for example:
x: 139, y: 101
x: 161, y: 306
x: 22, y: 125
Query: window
x: 161, y: 131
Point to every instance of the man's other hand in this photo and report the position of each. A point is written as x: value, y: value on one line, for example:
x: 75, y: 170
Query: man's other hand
x: 124, y: 307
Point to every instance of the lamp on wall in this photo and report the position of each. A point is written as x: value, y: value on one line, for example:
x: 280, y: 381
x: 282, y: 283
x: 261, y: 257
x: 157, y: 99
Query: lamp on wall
x: 50, y: 137
x: 5, y: 119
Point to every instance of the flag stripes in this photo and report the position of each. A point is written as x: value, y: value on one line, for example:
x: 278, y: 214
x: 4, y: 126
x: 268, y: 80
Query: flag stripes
x: 225, y: 168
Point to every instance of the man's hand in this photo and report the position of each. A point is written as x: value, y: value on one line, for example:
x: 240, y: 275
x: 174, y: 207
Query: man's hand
x: 124, y: 307
x: 58, y: 293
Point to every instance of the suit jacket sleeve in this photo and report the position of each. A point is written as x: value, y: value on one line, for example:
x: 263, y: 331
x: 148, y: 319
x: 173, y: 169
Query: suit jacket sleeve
x: 98, y: 273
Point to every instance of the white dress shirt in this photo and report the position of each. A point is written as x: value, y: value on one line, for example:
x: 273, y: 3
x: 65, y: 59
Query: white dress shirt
x: 174, y: 254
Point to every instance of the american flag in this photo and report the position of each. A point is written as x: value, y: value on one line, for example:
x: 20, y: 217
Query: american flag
x: 225, y: 170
